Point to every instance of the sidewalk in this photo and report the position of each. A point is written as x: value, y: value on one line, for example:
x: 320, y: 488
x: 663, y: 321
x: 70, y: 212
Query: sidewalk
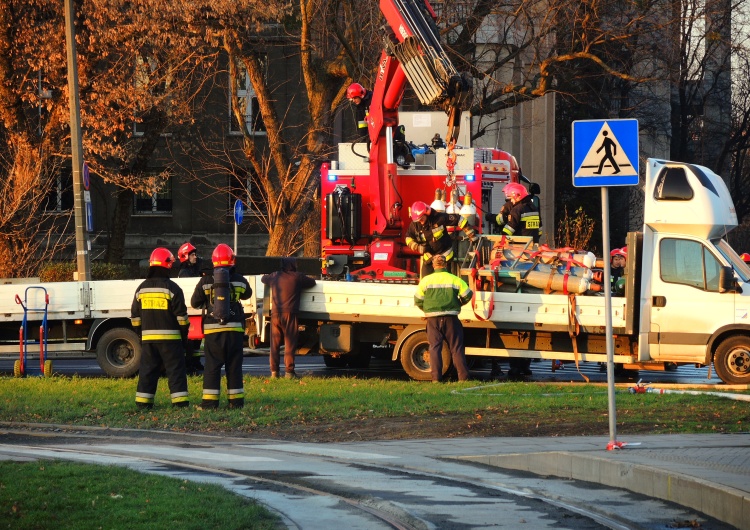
x: 708, y: 473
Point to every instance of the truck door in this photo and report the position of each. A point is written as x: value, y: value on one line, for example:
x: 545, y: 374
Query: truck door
x: 686, y: 306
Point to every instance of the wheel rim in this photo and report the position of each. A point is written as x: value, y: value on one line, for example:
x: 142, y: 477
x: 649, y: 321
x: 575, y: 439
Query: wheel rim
x: 120, y: 353
x: 738, y: 362
x: 420, y: 357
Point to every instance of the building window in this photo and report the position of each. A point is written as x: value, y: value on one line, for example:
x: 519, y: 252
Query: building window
x: 243, y: 187
x: 247, y: 102
x: 60, y: 197
x: 158, y: 201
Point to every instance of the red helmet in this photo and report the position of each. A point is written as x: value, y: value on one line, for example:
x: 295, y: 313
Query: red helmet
x: 418, y: 209
x: 185, y: 251
x: 223, y: 256
x: 161, y: 257
x: 516, y: 191
x: 745, y: 257
x: 619, y: 252
x: 355, y: 90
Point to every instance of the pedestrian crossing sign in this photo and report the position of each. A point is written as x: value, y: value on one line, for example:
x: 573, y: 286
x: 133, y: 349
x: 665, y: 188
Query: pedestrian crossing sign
x: 605, y: 153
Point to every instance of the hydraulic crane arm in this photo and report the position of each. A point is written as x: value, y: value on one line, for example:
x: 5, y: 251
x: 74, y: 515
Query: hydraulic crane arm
x: 426, y: 65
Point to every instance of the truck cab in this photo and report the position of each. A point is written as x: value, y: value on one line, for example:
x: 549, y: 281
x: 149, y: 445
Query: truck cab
x: 694, y: 295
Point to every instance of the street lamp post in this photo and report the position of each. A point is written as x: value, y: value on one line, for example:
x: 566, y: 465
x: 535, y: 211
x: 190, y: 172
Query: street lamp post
x: 82, y: 240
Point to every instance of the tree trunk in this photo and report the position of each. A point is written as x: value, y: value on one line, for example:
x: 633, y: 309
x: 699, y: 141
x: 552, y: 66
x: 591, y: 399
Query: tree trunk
x: 120, y: 221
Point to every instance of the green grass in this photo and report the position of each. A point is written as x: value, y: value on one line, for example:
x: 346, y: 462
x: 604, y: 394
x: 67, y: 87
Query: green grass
x: 60, y: 495
x: 274, y: 405
x: 47, y: 494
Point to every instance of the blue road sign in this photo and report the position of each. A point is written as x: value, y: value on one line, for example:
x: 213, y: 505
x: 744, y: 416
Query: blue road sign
x: 605, y: 153
x: 239, y: 211
x: 89, y: 217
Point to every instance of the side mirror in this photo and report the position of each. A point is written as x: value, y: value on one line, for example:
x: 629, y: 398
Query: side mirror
x: 727, y: 283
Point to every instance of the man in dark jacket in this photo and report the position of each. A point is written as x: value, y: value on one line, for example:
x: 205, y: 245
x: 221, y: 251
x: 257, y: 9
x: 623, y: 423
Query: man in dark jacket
x: 286, y: 286
x: 223, y: 336
x: 440, y: 295
x: 159, y: 316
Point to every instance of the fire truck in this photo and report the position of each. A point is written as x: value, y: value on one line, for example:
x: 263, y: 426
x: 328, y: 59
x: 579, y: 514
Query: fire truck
x: 367, y: 193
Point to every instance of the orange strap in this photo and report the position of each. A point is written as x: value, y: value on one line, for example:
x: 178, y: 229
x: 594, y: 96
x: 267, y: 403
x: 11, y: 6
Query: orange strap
x: 574, y: 329
x: 474, y: 297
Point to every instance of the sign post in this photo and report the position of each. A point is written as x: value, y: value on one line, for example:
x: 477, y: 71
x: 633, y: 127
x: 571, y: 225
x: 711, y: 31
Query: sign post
x: 239, y: 213
x: 605, y: 153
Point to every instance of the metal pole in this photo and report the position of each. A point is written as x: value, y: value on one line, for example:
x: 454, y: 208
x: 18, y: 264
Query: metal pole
x: 608, y: 322
x: 82, y: 240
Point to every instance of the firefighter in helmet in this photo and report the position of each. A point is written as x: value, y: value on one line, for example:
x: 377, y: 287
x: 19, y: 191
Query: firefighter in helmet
x: 361, y: 99
x: 428, y: 235
x: 523, y: 218
x: 191, y: 267
x: 223, y: 334
x: 190, y: 263
x: 159, y: 316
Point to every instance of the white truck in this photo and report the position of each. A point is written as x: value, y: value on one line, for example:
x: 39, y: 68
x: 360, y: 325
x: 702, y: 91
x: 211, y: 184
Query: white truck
x: 686, y: 299
x: 86, y: 320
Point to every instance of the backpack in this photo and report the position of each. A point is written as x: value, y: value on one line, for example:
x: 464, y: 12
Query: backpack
x: 221, y: 296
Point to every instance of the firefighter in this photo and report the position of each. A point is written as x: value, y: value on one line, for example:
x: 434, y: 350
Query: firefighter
x: 745, y: 257
x: 191, y: 267
x: 190, y: 263
x: 361, y: 99
x: 523, y: 218
x: 617, y: 260
x: 159, y: 316
x: 440, y: 295
x: 223, y: 335
x: 428, y: 235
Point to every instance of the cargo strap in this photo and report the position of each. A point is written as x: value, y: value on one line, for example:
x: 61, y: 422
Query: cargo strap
x: 474, y: 273
x: 574, y: 328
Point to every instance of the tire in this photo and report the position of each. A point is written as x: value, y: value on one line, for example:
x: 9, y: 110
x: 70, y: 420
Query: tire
x: 334, y: 362
x: 732, y: 360
x: 17, y: 369
x: 415, y: 357
x: 47, y: 368
x: 118, y: 352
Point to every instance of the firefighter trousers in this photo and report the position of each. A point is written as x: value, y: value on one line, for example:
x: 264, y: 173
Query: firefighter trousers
x: 223, y: 348
x: 171, y: 356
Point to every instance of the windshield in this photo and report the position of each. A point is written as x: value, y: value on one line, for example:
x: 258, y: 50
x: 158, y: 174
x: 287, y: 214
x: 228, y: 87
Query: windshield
x: 739, y: 266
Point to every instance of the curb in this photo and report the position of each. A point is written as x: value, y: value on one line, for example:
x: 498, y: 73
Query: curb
x: 729, y: 505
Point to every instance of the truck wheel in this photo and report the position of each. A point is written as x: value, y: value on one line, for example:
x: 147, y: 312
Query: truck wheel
x: 119, y: 352
x: 732, y: 360
x: 334, y: 362
x: 415, y: 357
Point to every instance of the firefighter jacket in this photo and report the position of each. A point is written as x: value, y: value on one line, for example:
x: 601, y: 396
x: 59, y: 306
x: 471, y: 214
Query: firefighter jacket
x: 203, y: 299
x: 158, y: 312
x: 441, y: 293
x: 523, y: 220
x: 362, y: 111
x: 286, y: 286
x: 188, y: 270
x: 432, y: 238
